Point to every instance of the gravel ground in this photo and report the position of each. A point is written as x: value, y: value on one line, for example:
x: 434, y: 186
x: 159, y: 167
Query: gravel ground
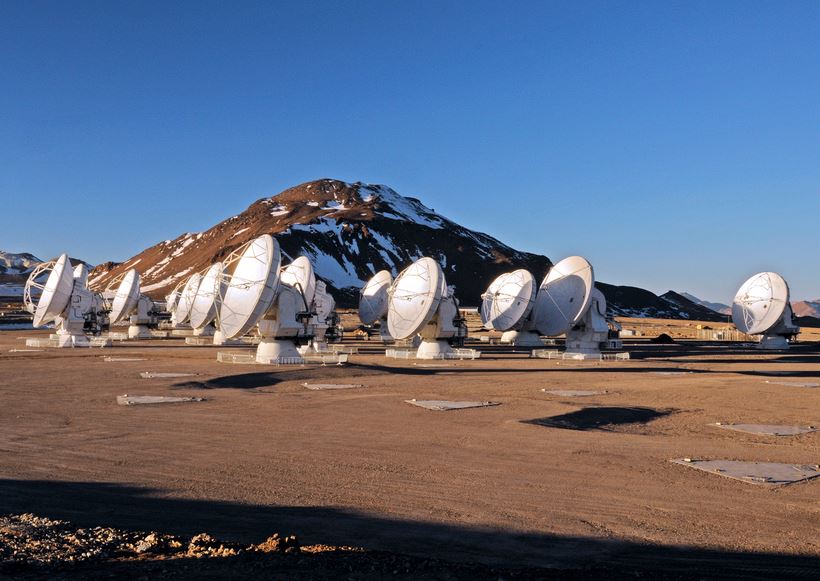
x: 35, y: 547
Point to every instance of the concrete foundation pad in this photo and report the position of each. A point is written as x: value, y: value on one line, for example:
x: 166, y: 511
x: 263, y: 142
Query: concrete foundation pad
x: 572, y: 392
x: 767, y: 473
x: 153, y: 399
x: 163, y: 375
x: 321, y: 386
x: 768, y: 429
x: 794, y: 383
x: 441, y: 405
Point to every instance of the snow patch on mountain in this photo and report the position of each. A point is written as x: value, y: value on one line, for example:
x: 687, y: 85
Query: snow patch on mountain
x: 17, y: 263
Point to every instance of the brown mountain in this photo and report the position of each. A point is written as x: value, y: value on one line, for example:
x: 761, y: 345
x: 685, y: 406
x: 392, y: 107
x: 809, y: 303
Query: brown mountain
x: 349, y: 231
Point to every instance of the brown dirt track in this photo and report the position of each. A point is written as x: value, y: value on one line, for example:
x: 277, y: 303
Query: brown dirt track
x: 360, y: 467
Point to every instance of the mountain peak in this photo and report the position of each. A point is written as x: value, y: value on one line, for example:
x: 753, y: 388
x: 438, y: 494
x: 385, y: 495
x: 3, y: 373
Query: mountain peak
x: 348, y: 231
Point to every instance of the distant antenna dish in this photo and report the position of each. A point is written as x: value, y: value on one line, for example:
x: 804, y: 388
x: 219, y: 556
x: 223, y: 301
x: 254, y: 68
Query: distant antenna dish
x: 129, y: 305
x: 252, y: 286
x: 81, y: 274
x: 761, y: 307
x: 56, y: 293
x: 172, y: 300
x: 564, y: 296
x: 187, y: 297
x: 299, y: 275
x: 373, y: 298
x: 204, y: 306
x: 127, y: 296
x: 508, y: 301
x: 414, y: 298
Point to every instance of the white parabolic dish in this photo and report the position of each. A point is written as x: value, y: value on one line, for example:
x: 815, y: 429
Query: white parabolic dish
x: 299, y: 274
x: 56, y: 293
x: 414, y: 298
x: 373, y: 299
x: 126, y: 297
x: 760, y: 302
x: 203, y: 309
x: 508, y: 300
x: 186, y: 299
x: 254, y: 280
x: 564, y: 296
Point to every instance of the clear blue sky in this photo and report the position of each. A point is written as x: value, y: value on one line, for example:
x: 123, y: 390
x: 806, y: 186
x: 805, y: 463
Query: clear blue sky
x: 675, y: 144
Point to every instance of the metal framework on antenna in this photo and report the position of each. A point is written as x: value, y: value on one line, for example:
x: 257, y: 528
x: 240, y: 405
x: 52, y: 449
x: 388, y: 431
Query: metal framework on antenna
x: 41, y: 270
x: 226, y: 279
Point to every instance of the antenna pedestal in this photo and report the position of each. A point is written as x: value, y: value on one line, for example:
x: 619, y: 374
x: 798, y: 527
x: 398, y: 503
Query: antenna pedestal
x: 280, y: 327
x: 274, y: 350
x: 587, y: 337
x: 778, y: 342
x: 206, y: 331
x: 434, y: 336
x: 70, y: 333
x: 315, y: 346
x: 138, y: 331
x: 384, y: 332
x: 522, y: 338
x: 433, y: 349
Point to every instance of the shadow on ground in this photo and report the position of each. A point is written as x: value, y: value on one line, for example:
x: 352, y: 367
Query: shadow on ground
x: 601, y: 418
x: 89, y: 504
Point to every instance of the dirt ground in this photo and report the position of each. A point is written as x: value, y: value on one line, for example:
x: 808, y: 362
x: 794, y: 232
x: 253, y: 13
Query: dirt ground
x: 491, y: 487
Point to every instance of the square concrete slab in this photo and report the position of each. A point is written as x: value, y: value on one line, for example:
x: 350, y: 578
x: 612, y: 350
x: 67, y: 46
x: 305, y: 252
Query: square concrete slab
x: 770, y: 473
x: 153, y: 399
x: 161, y: 375
x: 572, y: 392
x: 794, y: 383
x: 320, y: 386
x: 441, y: 405
x: 768, y: 429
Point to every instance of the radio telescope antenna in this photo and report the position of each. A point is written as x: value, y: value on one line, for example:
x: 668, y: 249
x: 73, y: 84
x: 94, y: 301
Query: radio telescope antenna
x: 172, y: 300
x: 186, y: 298
x: 206, y: 301
x: 56, y: 294
x: 507, y: 306
x: 373, y: 302
x: 63, y: 300
x: 254, y: 296
x: 129, y: 305
x: 420, y: 304
x: 761, y: 307
x: 568, y: 302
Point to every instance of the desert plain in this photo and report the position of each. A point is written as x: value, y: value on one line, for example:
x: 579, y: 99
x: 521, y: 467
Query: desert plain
x: 540, y: 485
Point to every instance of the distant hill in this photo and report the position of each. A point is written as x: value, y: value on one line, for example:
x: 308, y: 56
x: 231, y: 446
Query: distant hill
x: 17, y: 263
x: 717, y: 307
x: 630, y: 301
x: 806, y: 308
